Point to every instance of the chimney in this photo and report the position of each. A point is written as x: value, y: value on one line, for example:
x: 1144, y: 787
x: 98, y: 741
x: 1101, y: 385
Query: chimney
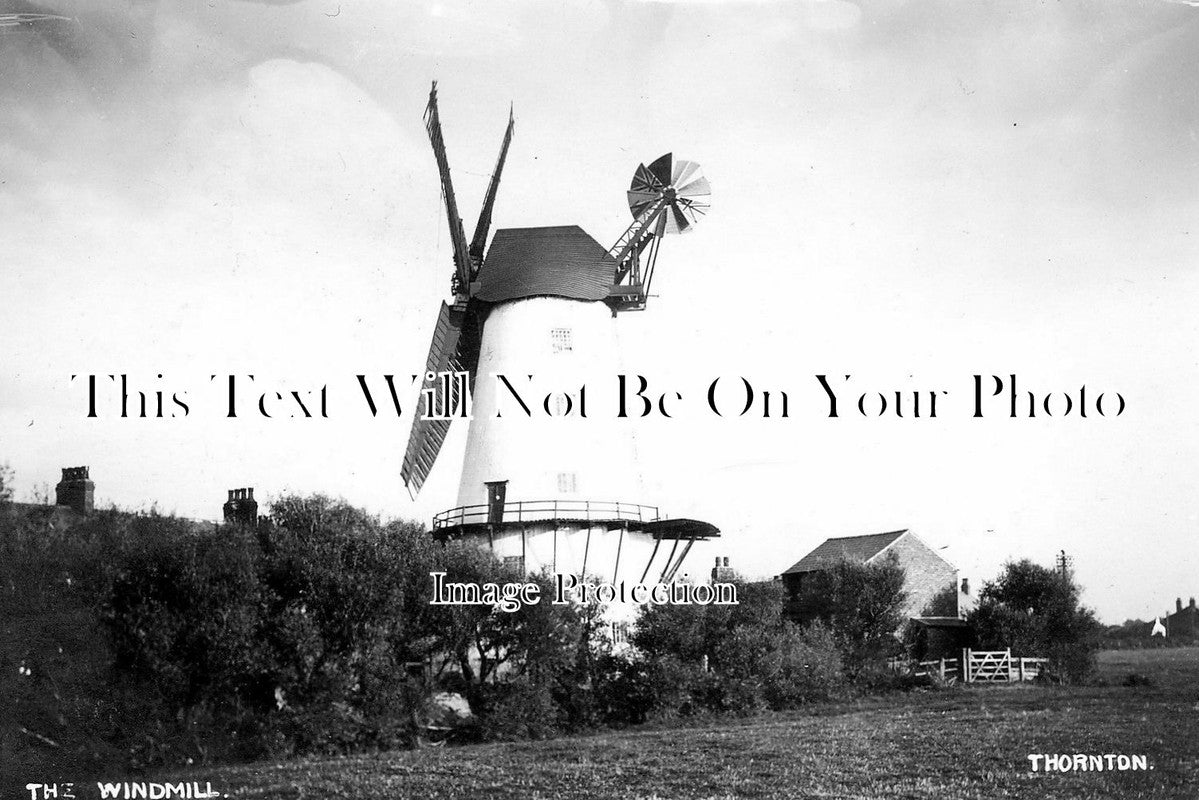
x: 1192, y: 604
x: 241, y: 508
x: 965, y: 586
x: 722, y: 572
x: 76, y: 490
x: 1178, y: 605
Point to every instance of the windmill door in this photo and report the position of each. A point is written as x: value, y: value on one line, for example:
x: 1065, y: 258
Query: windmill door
x: 496, y: 492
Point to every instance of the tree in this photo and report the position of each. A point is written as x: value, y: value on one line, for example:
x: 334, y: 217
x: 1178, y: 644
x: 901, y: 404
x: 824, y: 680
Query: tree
x: 727, y: 658
x: 6, y: 481
x: 537, y: 640
x: 861, y: 604
x: 319, y: 513
x: 1036, y: 611
x: 694, y: 632
x: 943, y: 604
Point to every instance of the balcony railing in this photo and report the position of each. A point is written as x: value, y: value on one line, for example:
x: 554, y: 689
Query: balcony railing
x: 542, y: 510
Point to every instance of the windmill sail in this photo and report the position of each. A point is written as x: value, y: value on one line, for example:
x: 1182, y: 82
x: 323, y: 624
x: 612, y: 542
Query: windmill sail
x: 457, y: 335
x: 479, y: 242
x: 427, y: 435
x: 460, y: 284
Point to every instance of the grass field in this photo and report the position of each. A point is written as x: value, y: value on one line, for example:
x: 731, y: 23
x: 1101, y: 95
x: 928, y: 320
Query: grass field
x: 958, y: 743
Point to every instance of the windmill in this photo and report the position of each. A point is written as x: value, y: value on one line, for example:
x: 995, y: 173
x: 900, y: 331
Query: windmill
x: 559, y: 493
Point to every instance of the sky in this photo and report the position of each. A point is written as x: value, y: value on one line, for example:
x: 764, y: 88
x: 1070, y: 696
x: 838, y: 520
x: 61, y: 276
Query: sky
x: 907, y: 193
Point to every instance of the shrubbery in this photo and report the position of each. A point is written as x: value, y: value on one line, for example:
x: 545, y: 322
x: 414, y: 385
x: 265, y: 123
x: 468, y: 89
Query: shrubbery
x: 1037, y: 612
x: 743, y: 658
x: 860, y: 604
x: 146, y: 641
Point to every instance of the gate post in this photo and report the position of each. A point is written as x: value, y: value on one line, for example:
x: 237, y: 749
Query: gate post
x: 966, y: 665
x: 942, y: 669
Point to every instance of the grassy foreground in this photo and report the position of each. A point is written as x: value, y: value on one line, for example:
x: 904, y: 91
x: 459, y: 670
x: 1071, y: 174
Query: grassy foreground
x: 962, y: 743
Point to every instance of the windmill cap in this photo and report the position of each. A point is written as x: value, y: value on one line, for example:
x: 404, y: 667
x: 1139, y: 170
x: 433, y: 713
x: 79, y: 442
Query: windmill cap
x: 560, y: 261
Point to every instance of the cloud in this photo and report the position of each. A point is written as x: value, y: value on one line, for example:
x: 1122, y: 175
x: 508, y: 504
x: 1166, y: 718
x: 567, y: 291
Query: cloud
x: 247, y: 186
x: 828, y: 15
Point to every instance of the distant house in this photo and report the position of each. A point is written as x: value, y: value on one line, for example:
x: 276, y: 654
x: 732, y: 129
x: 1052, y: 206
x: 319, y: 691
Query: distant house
x: 1184, y: 622
x: 927, y: 574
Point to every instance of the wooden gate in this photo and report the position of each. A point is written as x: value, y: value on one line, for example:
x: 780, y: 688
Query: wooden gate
x: 982, y: 666
x: 998, y: 666
x: 987, y: 665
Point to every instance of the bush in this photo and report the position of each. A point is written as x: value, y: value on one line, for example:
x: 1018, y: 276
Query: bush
x: 809, y: 667
x: 1036, y: 612
x: 777, y: 668
x: 54, y: 657
x: 860, y: 604
x: 151, y: 641
x: 521, y: 709
x: 737, y: 659
x: 623, y: 689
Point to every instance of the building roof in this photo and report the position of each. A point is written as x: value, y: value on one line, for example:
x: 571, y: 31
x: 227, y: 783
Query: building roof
x: 858, y: 549
x: 562, y: 261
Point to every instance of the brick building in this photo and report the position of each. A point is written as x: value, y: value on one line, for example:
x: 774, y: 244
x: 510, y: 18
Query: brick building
x: 1184, y: 622
x: 927, y: 574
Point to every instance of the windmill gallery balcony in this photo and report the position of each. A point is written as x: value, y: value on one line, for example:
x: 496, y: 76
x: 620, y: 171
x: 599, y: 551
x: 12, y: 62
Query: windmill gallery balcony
x: 468, y: 519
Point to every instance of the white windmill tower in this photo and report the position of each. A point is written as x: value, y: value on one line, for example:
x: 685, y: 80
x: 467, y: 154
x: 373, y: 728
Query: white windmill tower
x: 559, y: 492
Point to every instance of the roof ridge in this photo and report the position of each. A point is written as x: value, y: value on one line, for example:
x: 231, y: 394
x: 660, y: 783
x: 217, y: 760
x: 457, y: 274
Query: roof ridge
x: 860, y: 548
x: 866, y: 535
x: 524, y: 228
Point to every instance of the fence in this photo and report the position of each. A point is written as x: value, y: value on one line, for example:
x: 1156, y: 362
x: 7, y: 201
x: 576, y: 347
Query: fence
x: 542, y: 510
x: 998, y: 666
x: 975, y: 666
x: 945, y: 669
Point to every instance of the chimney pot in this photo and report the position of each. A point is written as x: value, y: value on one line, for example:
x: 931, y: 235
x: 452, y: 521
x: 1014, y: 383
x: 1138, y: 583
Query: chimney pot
x: 75, y: 490
x: 241, y: 508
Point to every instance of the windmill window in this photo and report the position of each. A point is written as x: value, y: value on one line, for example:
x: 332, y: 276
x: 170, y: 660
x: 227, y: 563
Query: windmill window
x: 566, y: 482
x: 561, y: 340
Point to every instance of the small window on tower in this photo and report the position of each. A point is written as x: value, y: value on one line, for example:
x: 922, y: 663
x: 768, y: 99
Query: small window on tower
x: 560, y: 340
x: 566, y: 482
